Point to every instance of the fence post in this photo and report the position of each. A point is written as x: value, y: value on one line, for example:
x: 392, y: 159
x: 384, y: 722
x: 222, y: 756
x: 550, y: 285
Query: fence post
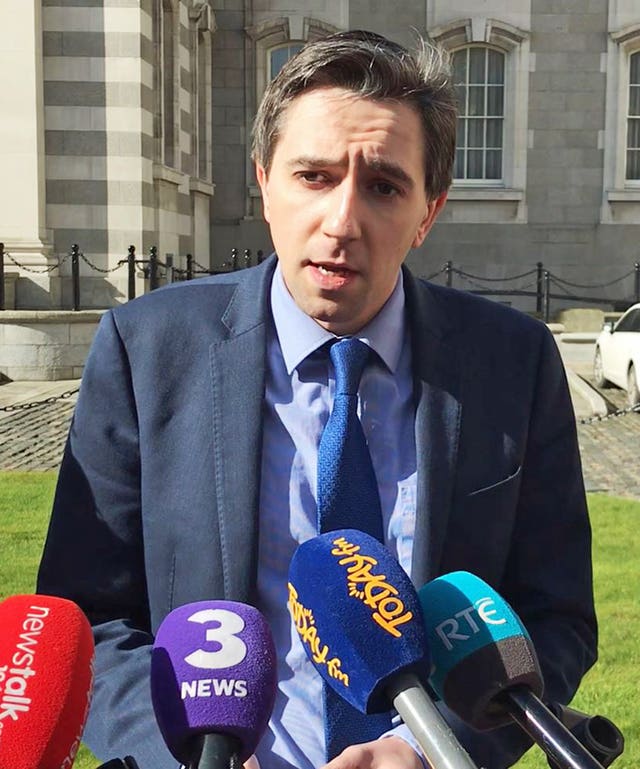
x: 153, y: 268
x: 547, y: 295
x: 168, y: 260
x: 1, y: 276
x: 539, y: 288
x: 247, y: 257
x: 637, y: 280
x: 75, y: 275
x: 131, y: 272
x: 234, y: 259
x: 189, y: 266
x: 448, y: 269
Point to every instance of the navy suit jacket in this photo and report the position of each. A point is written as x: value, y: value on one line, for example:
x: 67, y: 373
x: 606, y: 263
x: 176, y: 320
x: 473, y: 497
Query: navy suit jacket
x: 157, y: 499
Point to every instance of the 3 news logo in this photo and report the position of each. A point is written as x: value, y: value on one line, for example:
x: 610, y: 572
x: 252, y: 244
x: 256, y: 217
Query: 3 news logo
x: 216, y: 643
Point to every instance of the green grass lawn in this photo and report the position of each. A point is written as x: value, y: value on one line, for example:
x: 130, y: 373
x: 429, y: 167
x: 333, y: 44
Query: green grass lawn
x: 609, y: 689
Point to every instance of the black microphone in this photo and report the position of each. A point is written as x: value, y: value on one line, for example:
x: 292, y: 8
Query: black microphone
x: 485, y: 667
x: 213, y: 682
x: 600, y: 736
x: 360, y: 622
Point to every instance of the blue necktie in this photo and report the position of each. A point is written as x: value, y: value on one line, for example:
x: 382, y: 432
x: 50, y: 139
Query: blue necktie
x: 347, y: 499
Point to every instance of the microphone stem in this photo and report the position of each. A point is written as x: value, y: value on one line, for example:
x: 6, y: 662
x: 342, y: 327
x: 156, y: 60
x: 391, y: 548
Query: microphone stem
x: 439, y: 745
x: 216, y: 751
x: 547, y: 731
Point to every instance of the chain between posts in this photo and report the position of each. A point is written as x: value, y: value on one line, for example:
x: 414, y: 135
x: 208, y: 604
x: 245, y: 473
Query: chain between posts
x: 151, y: 267
x: 613, y: 415
x: 542, y: 285
x: 34, y: 404
x: 65, y: 395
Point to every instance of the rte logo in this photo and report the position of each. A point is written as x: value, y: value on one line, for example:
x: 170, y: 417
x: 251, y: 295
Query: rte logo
x: 464, y: 624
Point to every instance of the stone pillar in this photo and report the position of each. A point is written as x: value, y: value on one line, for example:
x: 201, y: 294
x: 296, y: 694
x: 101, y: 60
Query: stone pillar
x: 22, y: 152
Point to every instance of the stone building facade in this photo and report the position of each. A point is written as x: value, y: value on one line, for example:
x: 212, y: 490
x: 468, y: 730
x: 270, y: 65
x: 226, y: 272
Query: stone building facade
x: 129, y: 113
x: 114, y: 140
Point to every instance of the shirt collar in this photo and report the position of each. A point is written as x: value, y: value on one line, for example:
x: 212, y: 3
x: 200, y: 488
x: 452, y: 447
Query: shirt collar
x: 299, y: 335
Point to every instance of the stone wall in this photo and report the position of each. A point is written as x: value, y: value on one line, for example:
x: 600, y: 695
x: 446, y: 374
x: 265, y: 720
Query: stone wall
x: 45, y: 345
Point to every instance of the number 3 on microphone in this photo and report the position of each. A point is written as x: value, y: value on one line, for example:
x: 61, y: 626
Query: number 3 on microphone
x: 232, y: 648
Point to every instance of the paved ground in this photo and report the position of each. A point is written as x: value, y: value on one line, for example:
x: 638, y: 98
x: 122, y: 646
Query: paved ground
x: 34, y: 420
x: 32, y: 438
x: 609, y: 450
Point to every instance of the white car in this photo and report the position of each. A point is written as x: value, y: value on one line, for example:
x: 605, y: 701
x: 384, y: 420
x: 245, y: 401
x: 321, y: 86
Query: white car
x: 617, y: 355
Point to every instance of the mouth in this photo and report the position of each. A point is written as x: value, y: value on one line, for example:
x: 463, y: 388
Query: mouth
x: 332, y: 269
x: 330, y: 276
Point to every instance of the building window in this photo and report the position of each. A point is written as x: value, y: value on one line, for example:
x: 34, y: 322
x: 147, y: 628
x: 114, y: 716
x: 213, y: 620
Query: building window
x: 479, y: 80
x: 279, y: 56
x: 276, y: 41
x: 165, y: 74
x: 203, y: 104
x: 620, y: 140
x: 491, y: 65
x: 204, y: 26
x: 633, y: 119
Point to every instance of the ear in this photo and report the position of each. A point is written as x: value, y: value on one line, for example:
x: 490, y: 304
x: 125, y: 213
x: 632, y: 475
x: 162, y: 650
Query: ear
x: 433, y: 209
x: 261, y: 176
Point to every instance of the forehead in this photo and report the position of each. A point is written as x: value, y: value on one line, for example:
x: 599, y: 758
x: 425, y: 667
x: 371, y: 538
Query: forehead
x: 334, y: 119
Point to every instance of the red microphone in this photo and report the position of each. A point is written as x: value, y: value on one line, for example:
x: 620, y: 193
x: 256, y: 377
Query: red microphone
x: 46, y: 678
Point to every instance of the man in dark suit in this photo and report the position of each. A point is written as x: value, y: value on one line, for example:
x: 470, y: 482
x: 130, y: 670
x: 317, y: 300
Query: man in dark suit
x: 189, y: 472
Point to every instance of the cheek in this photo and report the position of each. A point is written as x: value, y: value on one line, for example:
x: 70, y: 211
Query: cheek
x: 395, y: 237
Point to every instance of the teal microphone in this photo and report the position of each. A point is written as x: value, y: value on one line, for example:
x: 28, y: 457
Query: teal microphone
x: 485, y: 668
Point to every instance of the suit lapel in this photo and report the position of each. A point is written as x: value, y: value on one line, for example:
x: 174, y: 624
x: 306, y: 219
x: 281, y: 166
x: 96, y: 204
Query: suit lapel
x: 238, y: 366
x: 238, y: 379
x: 438, y: 380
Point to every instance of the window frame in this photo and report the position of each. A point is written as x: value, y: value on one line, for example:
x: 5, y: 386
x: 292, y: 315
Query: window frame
x: 621, y: 196
x: 203, y: 26
x: 164, y: 10
x: 270, y: 51
x: 499, y: 201
x: 264, y: 37
x: 276, y: 33
x: 635, y: 180
x: 485, y: 181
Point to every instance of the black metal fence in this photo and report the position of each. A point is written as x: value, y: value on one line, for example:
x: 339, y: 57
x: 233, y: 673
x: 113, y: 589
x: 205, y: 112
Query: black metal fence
x: 151, y: 267
x: 538, y: 283
x: 542, y: 285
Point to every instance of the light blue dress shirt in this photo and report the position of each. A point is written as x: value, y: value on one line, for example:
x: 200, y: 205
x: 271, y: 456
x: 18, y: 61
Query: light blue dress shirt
x: 299, y: 394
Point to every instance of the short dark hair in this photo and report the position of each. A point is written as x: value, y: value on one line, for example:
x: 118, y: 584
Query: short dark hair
x: 375, y: 68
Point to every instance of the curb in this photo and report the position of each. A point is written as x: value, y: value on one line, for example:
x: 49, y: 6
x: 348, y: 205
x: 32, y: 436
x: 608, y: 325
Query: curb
x: 597, y: 404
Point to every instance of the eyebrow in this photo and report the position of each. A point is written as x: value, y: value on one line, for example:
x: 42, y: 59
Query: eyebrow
x: 386, y: 167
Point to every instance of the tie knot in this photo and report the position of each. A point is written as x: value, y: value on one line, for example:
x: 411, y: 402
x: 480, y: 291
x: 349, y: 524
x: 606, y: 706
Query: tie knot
x: 349, y: 358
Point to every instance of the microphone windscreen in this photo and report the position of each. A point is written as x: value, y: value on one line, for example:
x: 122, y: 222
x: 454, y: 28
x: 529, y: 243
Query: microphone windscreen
x: 46, y: 679
x: 213, y: 671
x: 479, y: 648
x: 357, y: 614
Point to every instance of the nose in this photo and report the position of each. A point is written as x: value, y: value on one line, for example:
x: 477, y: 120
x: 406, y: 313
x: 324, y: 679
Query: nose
x: 342, y: 215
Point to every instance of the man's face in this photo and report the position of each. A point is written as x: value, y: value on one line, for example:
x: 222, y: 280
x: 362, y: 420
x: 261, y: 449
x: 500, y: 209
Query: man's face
x: 345, y: 200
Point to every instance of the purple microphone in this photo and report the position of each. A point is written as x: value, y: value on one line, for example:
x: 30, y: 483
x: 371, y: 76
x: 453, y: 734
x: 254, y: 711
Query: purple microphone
x: 213, y: 682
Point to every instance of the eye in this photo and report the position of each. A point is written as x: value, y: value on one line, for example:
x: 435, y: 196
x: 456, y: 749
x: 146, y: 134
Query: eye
x: 313, y: 178
x: 386, y: 189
